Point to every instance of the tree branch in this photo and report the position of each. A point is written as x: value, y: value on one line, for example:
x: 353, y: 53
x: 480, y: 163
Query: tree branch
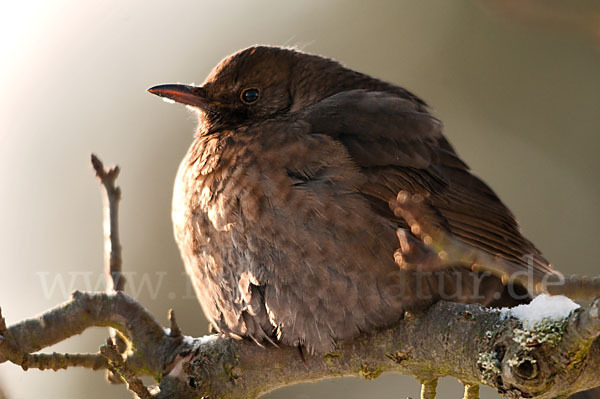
x: 56, y: 361
x: 111, y: 196
x: 468, y: 342
x: 476, y: 345
x: 113, y: 259
x: 121, y: 370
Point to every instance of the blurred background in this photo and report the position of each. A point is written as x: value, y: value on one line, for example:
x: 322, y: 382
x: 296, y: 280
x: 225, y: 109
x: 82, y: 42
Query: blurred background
x: 517, y: 84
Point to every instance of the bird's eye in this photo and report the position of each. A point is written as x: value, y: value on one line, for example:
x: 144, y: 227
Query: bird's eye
x: 250, y: 95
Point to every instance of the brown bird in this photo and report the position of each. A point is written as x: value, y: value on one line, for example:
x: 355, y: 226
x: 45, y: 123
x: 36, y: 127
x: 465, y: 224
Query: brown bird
x: 281, y: 207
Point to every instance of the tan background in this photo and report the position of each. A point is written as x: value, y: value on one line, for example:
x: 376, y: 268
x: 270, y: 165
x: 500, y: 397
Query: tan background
x: 518, y: 88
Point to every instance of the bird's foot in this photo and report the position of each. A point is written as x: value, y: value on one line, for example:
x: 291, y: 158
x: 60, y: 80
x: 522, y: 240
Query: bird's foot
x: 414, y: 254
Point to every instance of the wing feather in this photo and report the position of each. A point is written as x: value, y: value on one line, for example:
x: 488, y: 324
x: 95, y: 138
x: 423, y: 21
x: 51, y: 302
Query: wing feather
x: 400, y: 146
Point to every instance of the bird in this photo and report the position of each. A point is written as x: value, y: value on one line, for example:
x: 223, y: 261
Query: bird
x: 288, y: 208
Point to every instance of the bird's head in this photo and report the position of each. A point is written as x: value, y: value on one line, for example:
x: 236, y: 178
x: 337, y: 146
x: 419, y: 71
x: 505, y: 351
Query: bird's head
x: 261, y: 82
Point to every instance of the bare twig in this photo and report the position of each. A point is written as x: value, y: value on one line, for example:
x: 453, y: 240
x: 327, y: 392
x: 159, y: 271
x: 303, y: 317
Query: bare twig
x: 121, y: 369
x: 56, y: 361
x: 112, y: 246
x: 175, y: 331
x: 113, y: 259
x: 86, y: 310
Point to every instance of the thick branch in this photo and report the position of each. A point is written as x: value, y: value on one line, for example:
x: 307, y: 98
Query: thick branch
x: 474, y: 344
x: 468, y: 342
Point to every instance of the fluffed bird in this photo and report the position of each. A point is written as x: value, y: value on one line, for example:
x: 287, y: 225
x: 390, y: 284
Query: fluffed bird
x: 281, y: 206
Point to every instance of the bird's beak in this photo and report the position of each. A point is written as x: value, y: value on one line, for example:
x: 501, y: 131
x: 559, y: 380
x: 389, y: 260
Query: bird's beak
x: 188, y: 95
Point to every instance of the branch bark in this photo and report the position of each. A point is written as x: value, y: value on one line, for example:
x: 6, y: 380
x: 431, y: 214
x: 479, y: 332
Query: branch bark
x: 111, y: 196
x: 113, y: 258
x: 473, y: 344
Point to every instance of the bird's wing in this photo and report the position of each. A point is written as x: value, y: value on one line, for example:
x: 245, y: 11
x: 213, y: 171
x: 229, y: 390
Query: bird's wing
x: 399, y: 146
